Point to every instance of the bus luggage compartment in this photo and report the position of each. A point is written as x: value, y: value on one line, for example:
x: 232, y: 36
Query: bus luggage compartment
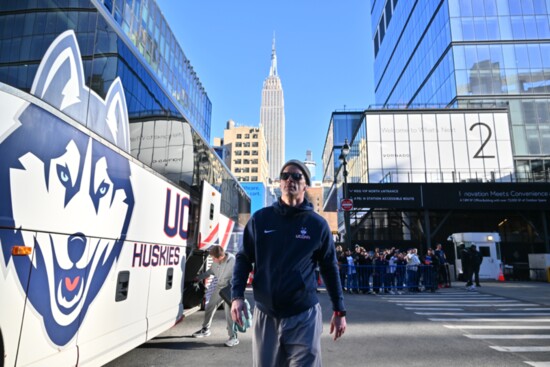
x: 193, y: 292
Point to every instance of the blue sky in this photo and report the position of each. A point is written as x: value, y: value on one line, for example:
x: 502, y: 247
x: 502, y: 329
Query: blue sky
x: 324, y: 60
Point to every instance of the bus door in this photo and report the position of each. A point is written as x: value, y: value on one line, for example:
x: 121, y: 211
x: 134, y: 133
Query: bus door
x: 207, y: 236
x: 209, y: 218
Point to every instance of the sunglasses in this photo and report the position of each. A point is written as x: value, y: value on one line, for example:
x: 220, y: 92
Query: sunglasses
x: 295, y: 176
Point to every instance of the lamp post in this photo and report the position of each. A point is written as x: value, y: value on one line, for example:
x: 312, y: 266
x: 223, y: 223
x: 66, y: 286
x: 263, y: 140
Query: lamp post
x: 343, y: 155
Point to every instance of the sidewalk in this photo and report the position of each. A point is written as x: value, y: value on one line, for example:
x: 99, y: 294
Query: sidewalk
x: 528, y: 291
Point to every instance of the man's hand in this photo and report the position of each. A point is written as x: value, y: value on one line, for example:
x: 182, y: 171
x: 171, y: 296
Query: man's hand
x: 238, y: 307
x: 338, y: 326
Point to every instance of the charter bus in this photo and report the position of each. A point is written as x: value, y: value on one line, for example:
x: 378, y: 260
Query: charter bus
x: 104, y: 216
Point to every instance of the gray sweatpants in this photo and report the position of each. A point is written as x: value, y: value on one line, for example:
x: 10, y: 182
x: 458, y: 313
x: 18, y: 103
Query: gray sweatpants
x: 294, y: 341
x: 211, y: 308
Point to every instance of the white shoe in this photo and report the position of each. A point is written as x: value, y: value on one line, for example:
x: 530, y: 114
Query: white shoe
x: 232, y: 341
x: 202, y: 333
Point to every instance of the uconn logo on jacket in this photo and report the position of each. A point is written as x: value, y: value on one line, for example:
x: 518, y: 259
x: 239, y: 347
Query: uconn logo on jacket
x: 303, y: 234
x: 54, y: 176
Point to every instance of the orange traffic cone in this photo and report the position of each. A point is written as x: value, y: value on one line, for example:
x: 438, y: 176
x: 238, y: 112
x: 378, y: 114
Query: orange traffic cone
x: 501, y: 276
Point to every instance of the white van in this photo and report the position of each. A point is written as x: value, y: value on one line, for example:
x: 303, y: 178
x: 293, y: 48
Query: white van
x: 487, y: 243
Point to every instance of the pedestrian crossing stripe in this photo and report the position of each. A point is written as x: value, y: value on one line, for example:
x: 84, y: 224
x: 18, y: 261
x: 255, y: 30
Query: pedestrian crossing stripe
x: 476, y: 305
x: 482, y: 313
x: 520, y: 349
x: 488, y: 320
x: 507, y: 336
x: 453, y: 301
x: 515, y: 327
x: 433, y: 309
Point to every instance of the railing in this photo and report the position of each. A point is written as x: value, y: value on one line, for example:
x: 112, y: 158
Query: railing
x: 393, y: 279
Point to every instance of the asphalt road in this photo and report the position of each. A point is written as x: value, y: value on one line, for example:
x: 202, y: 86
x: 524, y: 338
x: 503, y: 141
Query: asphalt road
x: 449, y: 328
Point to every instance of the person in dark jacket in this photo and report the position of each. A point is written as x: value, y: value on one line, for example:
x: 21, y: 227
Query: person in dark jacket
x: 477, y: 259
x: 430, y: 269
x: 466, y: 259
x: 285, y: 243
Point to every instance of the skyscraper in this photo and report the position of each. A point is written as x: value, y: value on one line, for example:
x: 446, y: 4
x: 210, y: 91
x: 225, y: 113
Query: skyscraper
x: 465, y: 53
x: 310, y: 164
x: 272, y: 117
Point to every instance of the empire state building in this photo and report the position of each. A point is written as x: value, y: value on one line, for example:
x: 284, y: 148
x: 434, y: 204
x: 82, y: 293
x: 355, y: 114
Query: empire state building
x: 272, y: 118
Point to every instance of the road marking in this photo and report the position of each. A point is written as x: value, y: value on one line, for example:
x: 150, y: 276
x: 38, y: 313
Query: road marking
x: 453, y: 296
x: 474, y: 305
x: 538, y: 364
x: 508, y: 336
x: 524, y: 309
x: 515, y: 327
x: 521, y: 349
x: 483, y: 313
x: 446, y: 301
x: 437, y: 296
x: 488, y: 320
x: 434, y: 308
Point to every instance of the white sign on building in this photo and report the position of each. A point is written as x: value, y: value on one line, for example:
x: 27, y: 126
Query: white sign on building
x: 438, y: 146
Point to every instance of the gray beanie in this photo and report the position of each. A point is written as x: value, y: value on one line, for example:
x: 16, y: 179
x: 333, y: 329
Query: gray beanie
x: 302, y: 167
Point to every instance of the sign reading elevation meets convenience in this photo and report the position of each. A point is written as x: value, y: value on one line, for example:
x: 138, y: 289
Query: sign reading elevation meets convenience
x: 489, y: 196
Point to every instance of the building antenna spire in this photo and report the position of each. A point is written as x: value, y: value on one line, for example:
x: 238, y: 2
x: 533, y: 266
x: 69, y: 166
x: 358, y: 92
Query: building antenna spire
x: 273, y: 68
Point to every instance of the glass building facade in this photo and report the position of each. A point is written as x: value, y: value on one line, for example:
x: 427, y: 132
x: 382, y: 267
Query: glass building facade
x: 111, y: 33
x: 470, y: 53
x: 167, y: 133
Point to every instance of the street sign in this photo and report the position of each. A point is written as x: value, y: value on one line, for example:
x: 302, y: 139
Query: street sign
x: 346, y: 204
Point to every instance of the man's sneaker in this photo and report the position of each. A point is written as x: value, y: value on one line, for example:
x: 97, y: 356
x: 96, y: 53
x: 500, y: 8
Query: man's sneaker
x: 232, y: 341
x: 202, y: 333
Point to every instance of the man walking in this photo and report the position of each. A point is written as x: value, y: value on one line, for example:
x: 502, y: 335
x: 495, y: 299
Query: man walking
x: 285, y: 243
x: 477, y: 259
x: 467, y: 267
x: 222, y: 269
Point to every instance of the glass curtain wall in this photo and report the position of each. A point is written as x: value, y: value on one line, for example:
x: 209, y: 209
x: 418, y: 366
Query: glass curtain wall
x: 28, y: 28
x: 470, y: 53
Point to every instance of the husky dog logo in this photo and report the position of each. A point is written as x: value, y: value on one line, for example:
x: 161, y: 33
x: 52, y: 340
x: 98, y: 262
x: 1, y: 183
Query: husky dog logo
x: 54, y: 176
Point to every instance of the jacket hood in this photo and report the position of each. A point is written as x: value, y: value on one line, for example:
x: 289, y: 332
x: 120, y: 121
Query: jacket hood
x: 283, y: 209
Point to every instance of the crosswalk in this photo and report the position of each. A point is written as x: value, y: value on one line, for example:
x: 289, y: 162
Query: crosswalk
x: 515, y: 326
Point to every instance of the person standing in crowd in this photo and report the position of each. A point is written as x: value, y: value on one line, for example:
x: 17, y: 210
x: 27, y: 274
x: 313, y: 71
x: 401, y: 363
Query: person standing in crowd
x: 431, y: 268
x: 412, y: 270
x: 467, y: 267
x: 284, y: 243
x: 222, y: 269
x: 392, y: 267
x: 444, y: 278
x: 379, y: 276
x: 364, y: 270
x: 351, y: 273
x: 341, y: 258
x: 401, y: 265
x: 477, y: 259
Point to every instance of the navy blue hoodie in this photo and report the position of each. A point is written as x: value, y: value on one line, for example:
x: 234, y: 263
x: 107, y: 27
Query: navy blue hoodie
x: 285, y: 244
